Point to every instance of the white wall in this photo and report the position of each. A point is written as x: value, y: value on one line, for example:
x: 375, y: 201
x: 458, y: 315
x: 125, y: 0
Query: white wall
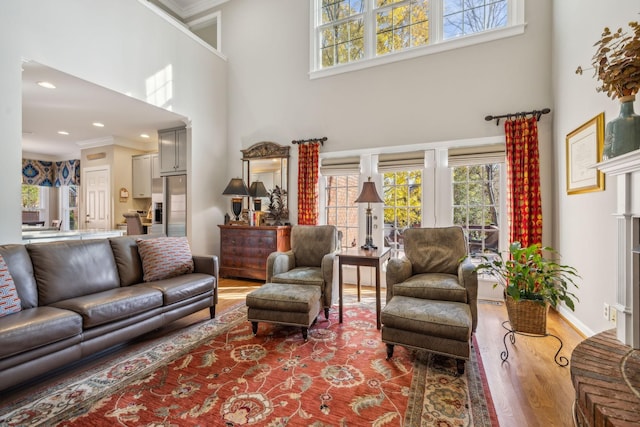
x: 433, y: 98
x: 117, y: 44
x: 586, y: 230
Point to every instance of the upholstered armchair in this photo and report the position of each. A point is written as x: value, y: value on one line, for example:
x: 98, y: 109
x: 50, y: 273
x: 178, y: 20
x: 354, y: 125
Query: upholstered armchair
x: 435, y: 267
x: 309, y: 262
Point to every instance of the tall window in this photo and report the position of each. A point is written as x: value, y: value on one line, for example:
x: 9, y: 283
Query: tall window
x: 352, y: 31
x: 476, y: 204
x: 340, y: 208
x: 402, y: 204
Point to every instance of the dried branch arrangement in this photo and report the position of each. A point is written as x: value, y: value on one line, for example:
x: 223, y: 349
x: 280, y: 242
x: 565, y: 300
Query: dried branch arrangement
x: 617, y: 62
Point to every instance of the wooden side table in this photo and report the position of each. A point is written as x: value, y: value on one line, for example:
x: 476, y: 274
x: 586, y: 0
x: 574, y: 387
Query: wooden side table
x: 363, y: 258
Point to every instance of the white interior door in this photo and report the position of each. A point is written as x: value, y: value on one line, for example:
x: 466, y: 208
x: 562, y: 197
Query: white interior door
x: 97, y: 196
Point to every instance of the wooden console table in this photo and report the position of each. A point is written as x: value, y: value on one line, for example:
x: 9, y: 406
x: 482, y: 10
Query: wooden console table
x: 244, y: 249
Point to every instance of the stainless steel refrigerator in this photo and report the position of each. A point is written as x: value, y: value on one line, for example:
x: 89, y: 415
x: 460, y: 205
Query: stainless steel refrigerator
x: 175, y: 205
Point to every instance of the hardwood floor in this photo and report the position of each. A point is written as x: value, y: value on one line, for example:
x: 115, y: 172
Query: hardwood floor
x: 529, y: 389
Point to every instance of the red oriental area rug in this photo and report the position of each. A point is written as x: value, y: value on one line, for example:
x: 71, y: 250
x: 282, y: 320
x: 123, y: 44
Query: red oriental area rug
x: 217, y: 373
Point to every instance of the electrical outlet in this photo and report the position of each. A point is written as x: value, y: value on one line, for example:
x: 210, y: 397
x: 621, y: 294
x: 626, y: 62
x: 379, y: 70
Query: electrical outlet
x: 605, y: 312
x: 613, y: 315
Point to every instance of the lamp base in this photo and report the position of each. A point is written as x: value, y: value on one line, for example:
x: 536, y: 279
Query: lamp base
x: 368, y: 247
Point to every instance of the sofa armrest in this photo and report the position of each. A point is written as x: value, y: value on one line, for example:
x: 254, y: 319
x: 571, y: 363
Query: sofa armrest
x: 398, y: 270
x: 208, y: 264
x: 279, y: 262
x: 468, y: 277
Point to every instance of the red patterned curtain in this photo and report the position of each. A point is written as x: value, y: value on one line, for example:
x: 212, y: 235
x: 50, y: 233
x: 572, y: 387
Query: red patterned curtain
x: 308, y: 183
x: 523, y: 181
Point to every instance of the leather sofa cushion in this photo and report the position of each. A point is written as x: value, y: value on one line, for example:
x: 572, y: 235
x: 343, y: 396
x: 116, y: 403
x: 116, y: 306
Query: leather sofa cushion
x: 432, y: 286
x: 73, y: 268
x: 36, y: 327
x: 183, y: 287
x: 111, y: 305
x: 21, y: 270
x: 125, y: 252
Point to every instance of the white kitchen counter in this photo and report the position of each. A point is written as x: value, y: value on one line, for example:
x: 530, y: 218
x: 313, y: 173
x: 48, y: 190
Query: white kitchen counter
x: 33, y: 236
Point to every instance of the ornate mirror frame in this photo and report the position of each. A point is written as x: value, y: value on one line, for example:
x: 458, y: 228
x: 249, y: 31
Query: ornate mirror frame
x: 267, y: 162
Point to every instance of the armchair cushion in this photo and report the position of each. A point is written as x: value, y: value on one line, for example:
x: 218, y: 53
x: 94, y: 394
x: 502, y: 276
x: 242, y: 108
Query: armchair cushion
x: 435, y: 250
x: 311, y: 243
x: 301, y: 276
x: 433, y: 286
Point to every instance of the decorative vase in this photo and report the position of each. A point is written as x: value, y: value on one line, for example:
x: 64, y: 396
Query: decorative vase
x: 527, y: 316
x: 622, y: 134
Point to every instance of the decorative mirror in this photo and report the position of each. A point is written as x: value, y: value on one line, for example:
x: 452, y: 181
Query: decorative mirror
x: 265, y: 166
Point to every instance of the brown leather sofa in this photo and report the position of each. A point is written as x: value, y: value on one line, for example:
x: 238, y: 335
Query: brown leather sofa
x: 82, y: 296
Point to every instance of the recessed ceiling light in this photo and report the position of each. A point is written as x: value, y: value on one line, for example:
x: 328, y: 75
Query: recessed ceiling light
x: 63, y: 132
x: 144, y: 135
x: 98, y: 124
x: 47, y: 85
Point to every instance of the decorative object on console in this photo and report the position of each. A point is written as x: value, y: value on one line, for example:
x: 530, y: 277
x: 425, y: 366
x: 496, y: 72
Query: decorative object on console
x: 257, y: 191
x: 237, y: 189
x: 617, y: 67
x: 369, y: 195
x: 278, y: 205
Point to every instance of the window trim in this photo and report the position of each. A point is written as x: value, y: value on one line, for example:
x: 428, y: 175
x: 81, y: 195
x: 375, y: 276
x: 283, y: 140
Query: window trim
x: 515, y: 26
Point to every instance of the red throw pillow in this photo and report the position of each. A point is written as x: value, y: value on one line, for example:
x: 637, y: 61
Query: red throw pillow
x: 164, y: 257
x: 9, y: 299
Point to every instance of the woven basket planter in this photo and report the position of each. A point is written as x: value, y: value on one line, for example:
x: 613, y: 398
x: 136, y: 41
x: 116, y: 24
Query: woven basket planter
x: 527, y: 316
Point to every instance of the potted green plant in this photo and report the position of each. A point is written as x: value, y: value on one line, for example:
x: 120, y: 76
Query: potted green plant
x: 531, y: 283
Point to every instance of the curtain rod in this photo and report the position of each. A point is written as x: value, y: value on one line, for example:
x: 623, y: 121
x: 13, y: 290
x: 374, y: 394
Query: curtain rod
x: 302, y: 141
x: 537, y: 113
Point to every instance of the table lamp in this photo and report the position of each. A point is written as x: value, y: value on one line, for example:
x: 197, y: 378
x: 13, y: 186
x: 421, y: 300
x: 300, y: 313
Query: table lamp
x: 257, y: 190
x: 369, y: 195
x: 237, y: 189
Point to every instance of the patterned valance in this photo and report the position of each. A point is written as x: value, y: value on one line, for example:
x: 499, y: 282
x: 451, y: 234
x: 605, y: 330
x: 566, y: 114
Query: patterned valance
x: 50, y: 174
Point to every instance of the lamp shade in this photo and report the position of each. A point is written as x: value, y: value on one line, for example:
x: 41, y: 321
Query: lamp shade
x: 258, y: 189
x: 369, y: 193
x: 236, y: 187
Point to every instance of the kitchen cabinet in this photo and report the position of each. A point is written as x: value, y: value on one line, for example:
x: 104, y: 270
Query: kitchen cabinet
x: 172, y: 144
x: 141, y: 175
x: 144, y: 168
x: 155, y: 165
x: 244, y: 249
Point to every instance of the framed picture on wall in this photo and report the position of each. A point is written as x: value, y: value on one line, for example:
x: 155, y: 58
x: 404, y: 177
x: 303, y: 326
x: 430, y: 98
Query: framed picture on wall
x: 584, y: 150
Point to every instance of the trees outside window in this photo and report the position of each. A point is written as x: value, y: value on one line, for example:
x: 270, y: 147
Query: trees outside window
x: 476, y: 205
x: 347, y: 31
x: 464, y: 17
x: 402, y: 204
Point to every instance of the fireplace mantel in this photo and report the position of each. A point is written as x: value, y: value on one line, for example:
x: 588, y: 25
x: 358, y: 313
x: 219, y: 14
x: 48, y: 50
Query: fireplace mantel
x: 626, y: 169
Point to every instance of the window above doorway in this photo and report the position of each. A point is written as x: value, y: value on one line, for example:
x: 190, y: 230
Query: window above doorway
x: 348, y: 35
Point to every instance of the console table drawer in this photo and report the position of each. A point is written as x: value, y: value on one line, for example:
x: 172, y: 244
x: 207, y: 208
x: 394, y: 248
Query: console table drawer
x: 244, y: 250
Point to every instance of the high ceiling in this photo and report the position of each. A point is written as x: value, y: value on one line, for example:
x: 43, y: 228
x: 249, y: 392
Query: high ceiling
x: 74, y: 105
